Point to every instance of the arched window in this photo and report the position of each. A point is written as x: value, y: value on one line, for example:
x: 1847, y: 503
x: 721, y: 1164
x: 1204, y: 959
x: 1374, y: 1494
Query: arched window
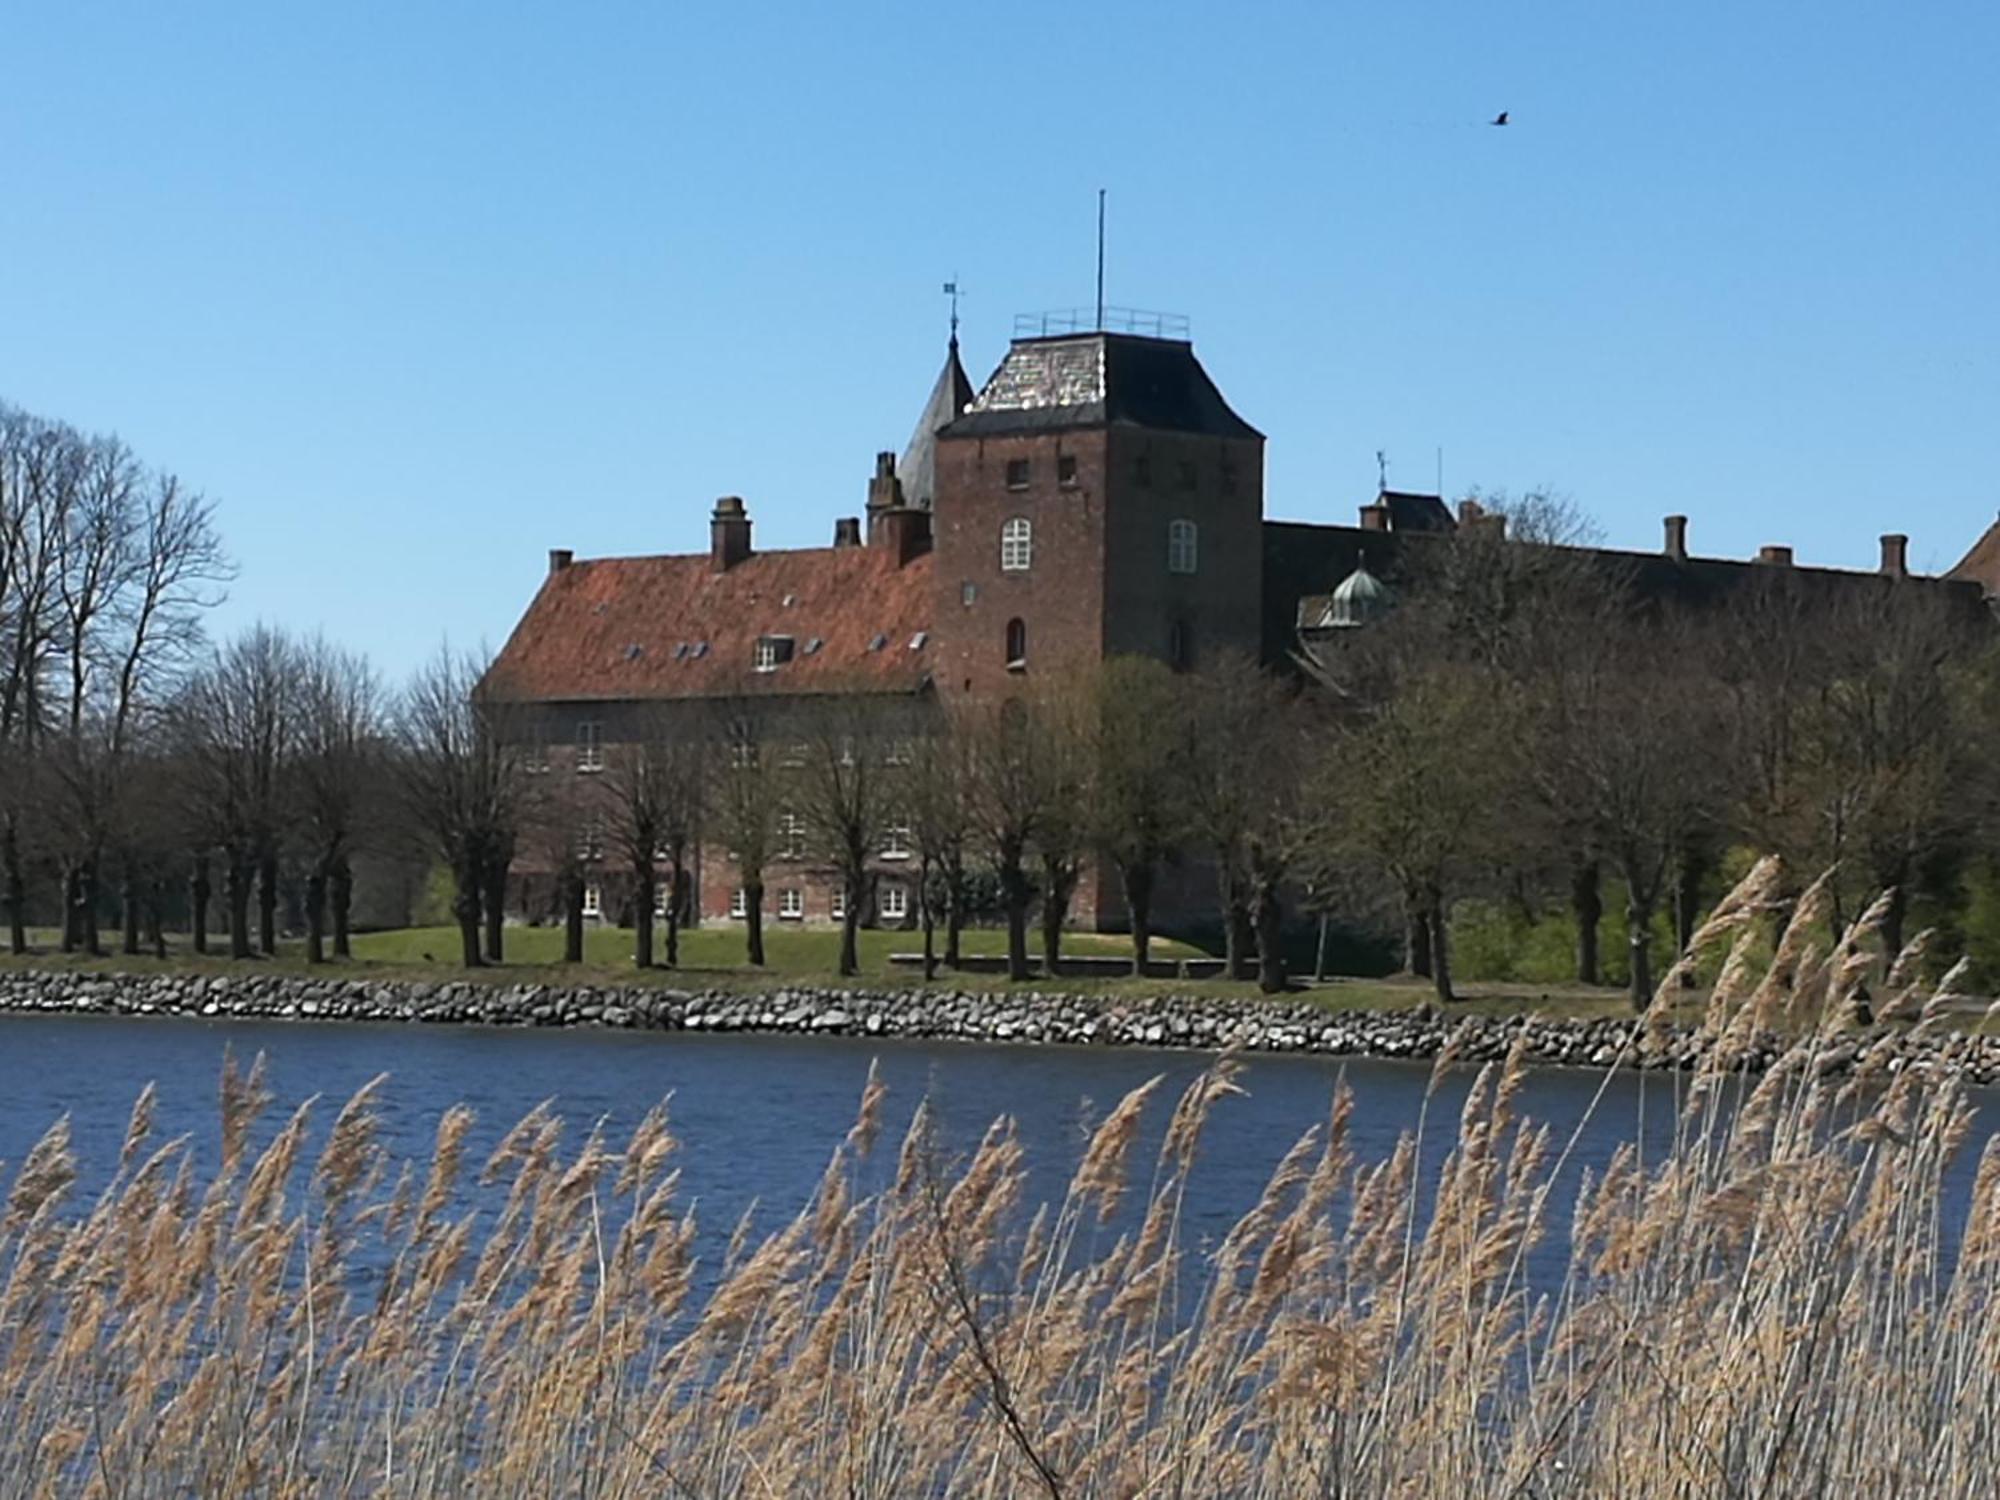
x: 1017, y: 644
x: 1180, y: 546
x: 1017, y: 545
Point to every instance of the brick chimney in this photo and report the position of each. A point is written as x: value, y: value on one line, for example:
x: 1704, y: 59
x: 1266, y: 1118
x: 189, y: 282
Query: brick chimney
x: 904, y: 531
x: 1777, y: 557
x: 1896, y: 555
x: 1375, y: 517
x: 728, y: 534
x: 1470, y: 513
x: 560, y: 558
x: 847, y: 531
x: 1677, y: 538
x: 885, y: 490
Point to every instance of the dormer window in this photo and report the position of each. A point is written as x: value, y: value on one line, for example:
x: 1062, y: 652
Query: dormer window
x: 1017, y: 473
x: 1017, y: 545
x: 772, y: 652
x: 1181, y: 543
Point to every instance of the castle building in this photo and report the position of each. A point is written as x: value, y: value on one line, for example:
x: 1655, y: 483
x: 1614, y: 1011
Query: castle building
x: 1097, y: 496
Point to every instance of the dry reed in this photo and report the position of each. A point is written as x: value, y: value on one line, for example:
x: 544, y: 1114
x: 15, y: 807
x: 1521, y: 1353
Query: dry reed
x: 1770, y: 1307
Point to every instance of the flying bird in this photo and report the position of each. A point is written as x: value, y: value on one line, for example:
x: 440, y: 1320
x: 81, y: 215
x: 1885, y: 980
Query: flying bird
x: 1499, y: 119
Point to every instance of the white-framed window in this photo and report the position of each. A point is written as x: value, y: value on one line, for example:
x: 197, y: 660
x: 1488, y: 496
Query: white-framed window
x: 535, y: 756
x: 772, y: 652
x: 660, y: 899
x: 590, y: 746
x: 1181, y: 544
x: 793, y: 755
x: 739, y: 904
x: 837, y: 907
x: 743, y: 754
x: 791, y: 904
x: 590, y: 837
x: 901, y: 752
x: 593, y: 899
x: 894, y: 900
x: 791, y: 835
x: 1017, y: 545
x: 896, y: 840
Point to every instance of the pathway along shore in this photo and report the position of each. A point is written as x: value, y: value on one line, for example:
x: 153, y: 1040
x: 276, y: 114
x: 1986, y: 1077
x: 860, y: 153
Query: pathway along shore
x: 935, y: 1014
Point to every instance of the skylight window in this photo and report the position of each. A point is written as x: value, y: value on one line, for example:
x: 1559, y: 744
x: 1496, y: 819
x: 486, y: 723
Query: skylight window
x: 772, y: 652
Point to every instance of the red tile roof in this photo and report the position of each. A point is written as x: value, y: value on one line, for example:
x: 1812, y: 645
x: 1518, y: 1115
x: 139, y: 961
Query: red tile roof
x: 673, y: 627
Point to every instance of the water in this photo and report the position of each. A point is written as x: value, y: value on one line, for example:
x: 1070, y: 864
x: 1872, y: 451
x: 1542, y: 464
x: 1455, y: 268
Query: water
x: 758, y: 1116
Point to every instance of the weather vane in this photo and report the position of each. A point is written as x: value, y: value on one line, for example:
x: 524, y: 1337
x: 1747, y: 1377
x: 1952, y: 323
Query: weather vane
x: 951, y: 291
x: 1381, y: 472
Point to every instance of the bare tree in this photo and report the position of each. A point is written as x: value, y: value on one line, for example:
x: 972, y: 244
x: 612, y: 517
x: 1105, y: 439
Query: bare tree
x: 744, y: 797
x: 846, y: 790
x: 1224, y: 729
x: 461, y: 778
x: 936, y: 788
x: 337, y: 761
x: 236, y: 719
x: 1008, y: 806
x: 1140, y: 818
x: 1066, y: 730
x: 656, y: 785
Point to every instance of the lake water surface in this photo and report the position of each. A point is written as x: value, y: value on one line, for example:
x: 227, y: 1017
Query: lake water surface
x: 758, y: 1116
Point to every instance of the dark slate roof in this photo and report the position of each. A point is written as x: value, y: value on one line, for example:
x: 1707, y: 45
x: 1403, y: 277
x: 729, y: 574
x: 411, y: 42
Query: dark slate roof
x: 1097, y: 380
x: 949, y: 397
x: 1414, y: 512
x: 623, y: 628
x: 1304, y: 562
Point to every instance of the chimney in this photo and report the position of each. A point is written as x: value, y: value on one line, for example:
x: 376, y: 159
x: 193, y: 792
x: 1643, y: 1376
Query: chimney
x: 560, y: 558
x: 1896, y: 555
x: 847, y: 531
x: 1470, y: 513
x: 1677, y: 538
x: 728, y: 534
x: 1375, y: 517
x: 904, y: 531
x: 1777, y: 557
x: 885, y: 490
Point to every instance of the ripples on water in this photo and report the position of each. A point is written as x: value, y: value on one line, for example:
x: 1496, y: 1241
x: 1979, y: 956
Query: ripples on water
x: 758, y: 1116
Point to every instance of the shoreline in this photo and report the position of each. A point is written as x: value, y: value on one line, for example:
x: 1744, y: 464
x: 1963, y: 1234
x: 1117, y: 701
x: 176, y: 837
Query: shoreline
x: 1182, y: 1022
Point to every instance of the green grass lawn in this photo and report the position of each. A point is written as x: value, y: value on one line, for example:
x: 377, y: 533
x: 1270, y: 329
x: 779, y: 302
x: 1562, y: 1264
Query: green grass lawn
x: 714, y: 956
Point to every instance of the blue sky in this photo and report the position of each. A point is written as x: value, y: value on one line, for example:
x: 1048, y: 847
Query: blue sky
x: 418, y: 292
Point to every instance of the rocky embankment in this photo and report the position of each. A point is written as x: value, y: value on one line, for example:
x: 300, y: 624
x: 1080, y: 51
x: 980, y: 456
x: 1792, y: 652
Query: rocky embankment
x: 932, y: 1014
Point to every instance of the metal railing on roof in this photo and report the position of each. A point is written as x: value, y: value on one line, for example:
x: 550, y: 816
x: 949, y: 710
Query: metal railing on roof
x: 1066, y: 320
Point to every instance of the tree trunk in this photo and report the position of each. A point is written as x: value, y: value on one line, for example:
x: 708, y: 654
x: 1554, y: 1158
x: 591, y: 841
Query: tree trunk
x: 954, y: 913
x: 156, y: 898
x: 200, y: 892
x: 237, y: 879
x: 316, y: 913
x: 1639, y: 943
x: 93, y: 943
x: 572, y: 900
x: 850, y: 921
x: 128, y: 912
x: 1014, y: 895
x: 927, y: 915
x: 267, y: 903
x: 753, y: 921
x: 676, y: 904
x: 1270, y: 916
x: 71, y: 926
x: 467, y: 880
x: 1138, y: 878
x: 340, y: 895
x: 1237, y: 936
x: 1687, y: 908
x: 642, y: 914
x: 17, y: 889
x: 1058, y: 885
x: 1586, y: 900
x: 1417, y: 946
x: 493, y: 904
x: 1440, y: 945
x: 1319, y: 951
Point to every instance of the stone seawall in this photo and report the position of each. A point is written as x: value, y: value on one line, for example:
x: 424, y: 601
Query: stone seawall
x: 929, y: 1014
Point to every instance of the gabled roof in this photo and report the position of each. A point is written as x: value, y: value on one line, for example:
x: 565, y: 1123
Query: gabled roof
x: 1982, y: 564
x: 1097, y: 380
x: 672, y: 627
x: 950, y: 396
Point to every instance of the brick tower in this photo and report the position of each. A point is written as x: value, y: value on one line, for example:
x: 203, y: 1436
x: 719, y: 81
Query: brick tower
x: 1099, y: 497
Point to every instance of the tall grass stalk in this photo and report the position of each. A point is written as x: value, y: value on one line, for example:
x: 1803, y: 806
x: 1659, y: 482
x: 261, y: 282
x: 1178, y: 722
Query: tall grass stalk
x: 1769, y: 1307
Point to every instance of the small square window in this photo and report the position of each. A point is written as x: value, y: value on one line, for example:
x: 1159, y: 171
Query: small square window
x: 895, y: 900
x: 773, y: 651
x: 791, y: 904
x: 739, y: 904
x: 593, y: 900
x: 1066, y: 471
x: 968, y: 593
x: 1017, y: 473
x: 837, y: 907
